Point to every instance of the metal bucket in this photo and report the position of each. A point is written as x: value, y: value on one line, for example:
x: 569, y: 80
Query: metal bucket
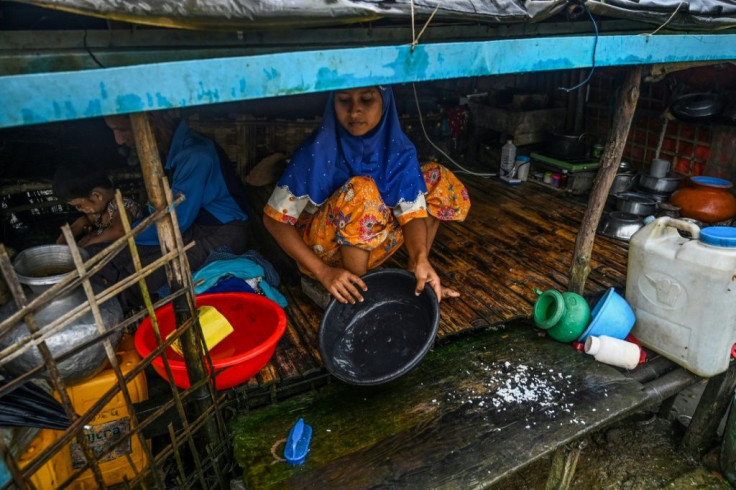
x: 39, y: 268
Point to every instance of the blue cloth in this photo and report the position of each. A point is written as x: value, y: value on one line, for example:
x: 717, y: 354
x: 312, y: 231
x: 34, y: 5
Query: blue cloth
x: 196, y: 172
x: 239, y: 267
x: 331, y: 156
x: 230, y: 284
x: 269, y: 271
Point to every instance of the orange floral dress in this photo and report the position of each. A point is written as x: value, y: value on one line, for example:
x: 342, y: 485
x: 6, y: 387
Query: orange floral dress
x: 355, y: 215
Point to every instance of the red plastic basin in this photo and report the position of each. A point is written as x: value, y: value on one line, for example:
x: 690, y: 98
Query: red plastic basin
x: 258, y: 324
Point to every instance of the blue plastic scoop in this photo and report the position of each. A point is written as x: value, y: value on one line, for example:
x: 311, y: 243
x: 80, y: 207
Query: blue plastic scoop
x: 297, y: 445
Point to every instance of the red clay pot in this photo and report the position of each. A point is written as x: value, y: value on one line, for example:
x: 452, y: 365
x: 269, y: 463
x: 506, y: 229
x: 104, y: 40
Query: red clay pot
x: 708, y: 199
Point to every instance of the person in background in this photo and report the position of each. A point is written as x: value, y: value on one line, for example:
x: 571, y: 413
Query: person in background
x: 354, y: 192
x: 213, y: 213
x: 92, y: 193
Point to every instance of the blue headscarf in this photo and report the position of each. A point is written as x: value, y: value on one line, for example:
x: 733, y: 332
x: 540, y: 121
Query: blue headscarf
x: 331, y: 156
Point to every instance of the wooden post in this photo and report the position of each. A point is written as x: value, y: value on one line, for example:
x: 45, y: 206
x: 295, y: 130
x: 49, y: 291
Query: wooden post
x: 176, y: 271
x: 564, y: 463
x: 627, y: 97
x: 714, y: 402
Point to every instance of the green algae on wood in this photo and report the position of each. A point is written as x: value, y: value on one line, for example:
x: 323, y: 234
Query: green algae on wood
x: 473, y: 410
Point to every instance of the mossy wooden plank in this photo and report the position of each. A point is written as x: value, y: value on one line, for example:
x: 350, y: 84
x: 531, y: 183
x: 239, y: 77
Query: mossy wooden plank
x: 473, y: 410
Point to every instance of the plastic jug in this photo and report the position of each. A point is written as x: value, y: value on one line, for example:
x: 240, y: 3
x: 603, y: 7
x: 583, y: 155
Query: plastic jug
x: 508, y: 157
x: 683, y: 292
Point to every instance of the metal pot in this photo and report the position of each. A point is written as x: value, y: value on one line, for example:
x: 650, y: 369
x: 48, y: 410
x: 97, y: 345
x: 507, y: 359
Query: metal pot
x: 622, y: 183
x: 566, y: 145
x: 39, y: 268
x: 660, y: 184
x: 633, y: 203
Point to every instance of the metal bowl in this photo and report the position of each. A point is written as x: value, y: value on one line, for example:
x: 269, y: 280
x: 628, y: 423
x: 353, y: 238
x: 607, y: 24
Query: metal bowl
x: 619, y: 225
x: 667, y: 184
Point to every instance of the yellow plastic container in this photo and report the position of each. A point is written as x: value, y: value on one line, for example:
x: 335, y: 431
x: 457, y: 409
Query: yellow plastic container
x: 215, y: 327
x: 110, y: 423
x: 56, y: 470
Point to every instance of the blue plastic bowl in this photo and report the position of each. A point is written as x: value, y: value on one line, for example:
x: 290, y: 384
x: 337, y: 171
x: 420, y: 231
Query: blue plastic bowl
x: 612, y: 316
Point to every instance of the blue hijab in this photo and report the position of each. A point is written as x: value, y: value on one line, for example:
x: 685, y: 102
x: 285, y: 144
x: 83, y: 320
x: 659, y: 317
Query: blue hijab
x: 331, y: 156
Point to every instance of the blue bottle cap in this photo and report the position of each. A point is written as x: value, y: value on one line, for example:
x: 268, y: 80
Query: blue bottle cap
x: 523, y: 158
x: 719, y: 236
x: 297, y: 445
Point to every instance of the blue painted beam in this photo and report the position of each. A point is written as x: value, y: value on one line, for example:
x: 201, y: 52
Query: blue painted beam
x: 61, y: 96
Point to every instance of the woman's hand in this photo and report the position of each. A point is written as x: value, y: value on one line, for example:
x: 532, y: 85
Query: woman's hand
x: 342, y: 284
x: 425, y: 274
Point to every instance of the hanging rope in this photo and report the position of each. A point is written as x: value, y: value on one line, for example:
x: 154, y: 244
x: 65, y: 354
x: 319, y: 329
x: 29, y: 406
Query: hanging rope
x: 668, y: 20
x: 415, y: 39
x: 595, y: 46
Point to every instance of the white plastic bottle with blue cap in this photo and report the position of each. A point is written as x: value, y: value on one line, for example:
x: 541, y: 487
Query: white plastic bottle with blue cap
x: 683, y: 292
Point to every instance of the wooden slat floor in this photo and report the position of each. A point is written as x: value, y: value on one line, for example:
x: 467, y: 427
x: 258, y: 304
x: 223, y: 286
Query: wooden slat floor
x: 515, y: 239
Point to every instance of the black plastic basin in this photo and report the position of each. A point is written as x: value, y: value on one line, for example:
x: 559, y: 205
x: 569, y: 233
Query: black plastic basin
x: 383, y: 337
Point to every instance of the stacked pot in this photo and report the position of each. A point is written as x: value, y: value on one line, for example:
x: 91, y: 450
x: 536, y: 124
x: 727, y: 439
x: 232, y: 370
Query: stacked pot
x: 659, y: 183
x: 628, y: 208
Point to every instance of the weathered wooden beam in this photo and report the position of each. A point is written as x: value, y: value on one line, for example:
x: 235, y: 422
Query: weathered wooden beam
x: 658, y: 71
x: 715, y: 400
x: 627, y: 97
x: 48, y: 97
x: 564, y: 463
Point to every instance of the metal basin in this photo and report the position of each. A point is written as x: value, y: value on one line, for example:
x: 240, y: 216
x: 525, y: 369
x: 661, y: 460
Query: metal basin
x: 620, y: 225
x: 39, y: 268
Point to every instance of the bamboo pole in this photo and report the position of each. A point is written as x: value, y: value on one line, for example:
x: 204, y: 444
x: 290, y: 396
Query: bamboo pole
x: 177, y: 272
x: 627, y: 97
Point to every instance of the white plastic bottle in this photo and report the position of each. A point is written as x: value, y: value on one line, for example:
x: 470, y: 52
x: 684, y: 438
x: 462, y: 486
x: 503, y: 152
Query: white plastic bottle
x: 615, y: 352
x: 508, y: 157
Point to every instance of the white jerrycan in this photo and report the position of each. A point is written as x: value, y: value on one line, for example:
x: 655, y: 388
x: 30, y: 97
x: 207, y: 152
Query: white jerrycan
x: 683, y: 292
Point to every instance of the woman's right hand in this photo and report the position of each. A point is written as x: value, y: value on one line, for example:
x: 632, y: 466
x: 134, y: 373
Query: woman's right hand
x: 342, y: 284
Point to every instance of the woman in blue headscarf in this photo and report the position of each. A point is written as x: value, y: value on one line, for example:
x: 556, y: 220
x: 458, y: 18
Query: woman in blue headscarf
x: 354, y: 192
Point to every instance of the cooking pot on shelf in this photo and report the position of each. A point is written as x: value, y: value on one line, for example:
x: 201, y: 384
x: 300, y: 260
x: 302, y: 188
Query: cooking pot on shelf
x: 565, y: 145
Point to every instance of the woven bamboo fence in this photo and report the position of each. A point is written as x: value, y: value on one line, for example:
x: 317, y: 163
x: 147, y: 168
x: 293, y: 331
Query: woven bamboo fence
x: 197, y: 451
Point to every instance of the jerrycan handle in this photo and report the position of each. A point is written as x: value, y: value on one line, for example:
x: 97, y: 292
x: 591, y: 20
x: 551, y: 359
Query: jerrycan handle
x: 661, y: 224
